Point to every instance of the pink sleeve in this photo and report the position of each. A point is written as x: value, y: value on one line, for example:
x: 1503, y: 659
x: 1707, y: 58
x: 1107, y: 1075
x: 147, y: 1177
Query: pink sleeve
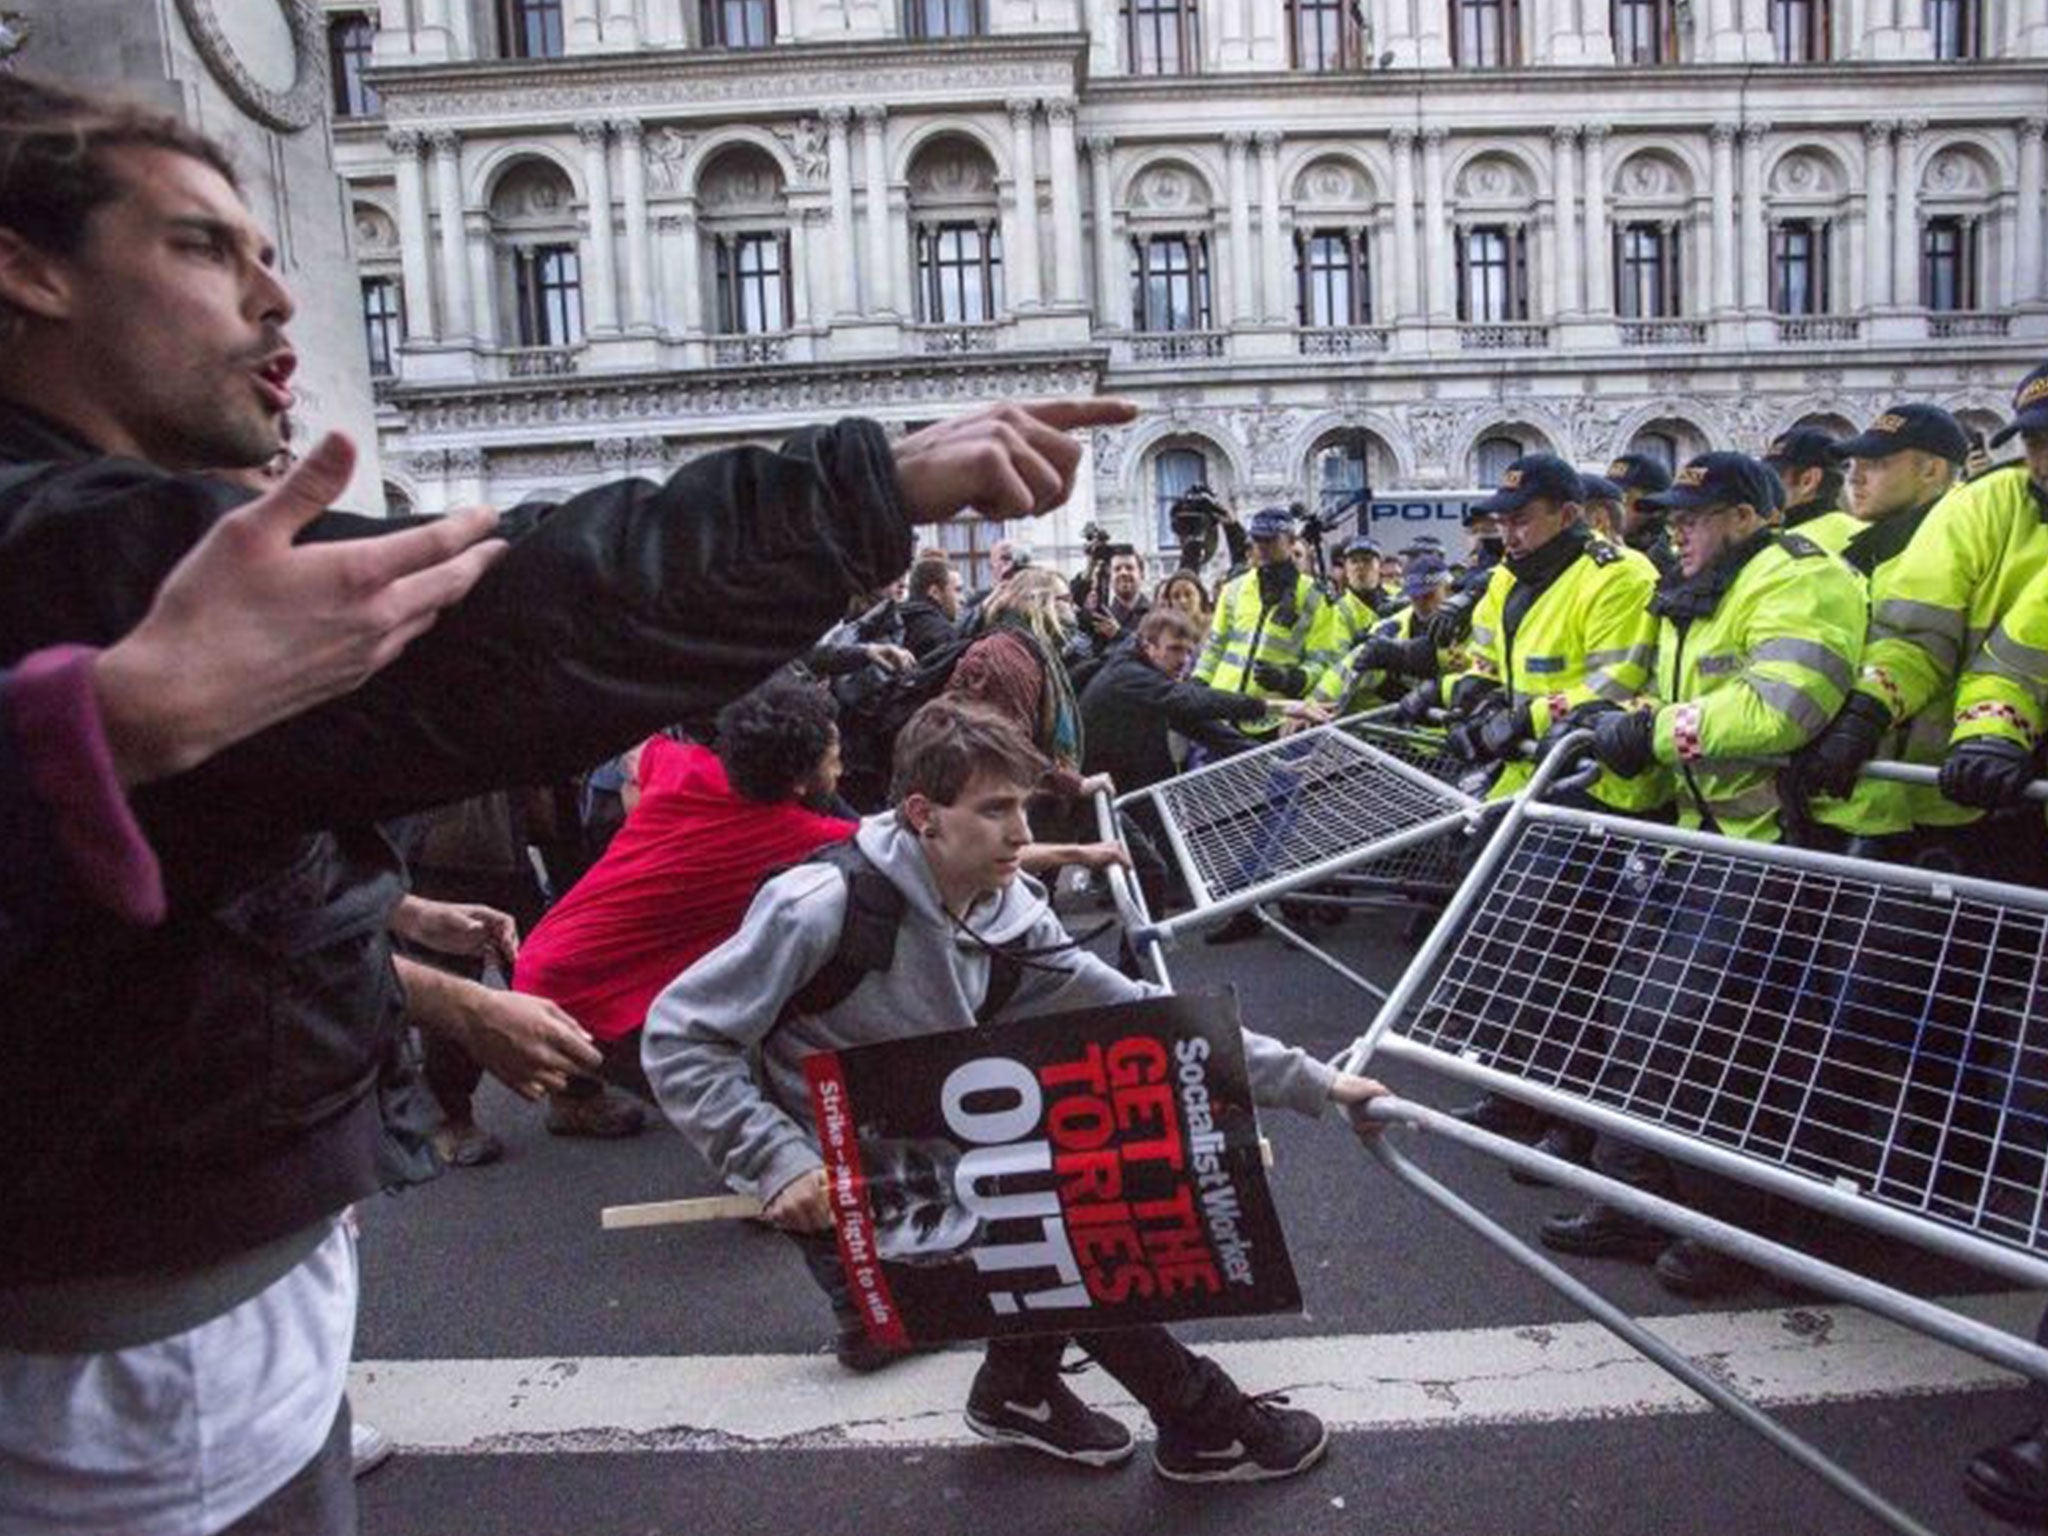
x: 70, y: 766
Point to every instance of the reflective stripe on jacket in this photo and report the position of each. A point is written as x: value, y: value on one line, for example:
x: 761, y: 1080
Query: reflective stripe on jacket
x: 1244, y: 632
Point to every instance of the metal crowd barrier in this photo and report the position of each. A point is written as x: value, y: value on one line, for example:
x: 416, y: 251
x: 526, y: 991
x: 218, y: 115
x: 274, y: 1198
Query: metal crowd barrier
x: 1865, y: 1040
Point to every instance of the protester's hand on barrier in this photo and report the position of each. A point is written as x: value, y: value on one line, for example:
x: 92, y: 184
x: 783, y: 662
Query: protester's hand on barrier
x: 1303, y: 713
x: 1988, y: 772
x: 527, y: 1043
x: 458, y: 928
x: 1828, y: 764
x: 804, y: 1204
x: 249, y: 629
x: 1099, y: 856
x: 1352, y: 1093
x: 1010, y: 460
x: 893, y: 658
x: 1419, y: 702
x: 1098, y: 784
x: 1625, y: 740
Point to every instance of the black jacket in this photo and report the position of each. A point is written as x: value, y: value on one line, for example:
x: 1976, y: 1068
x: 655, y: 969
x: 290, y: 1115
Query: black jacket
x: 1129, y: 707
x: 926, y: 627
x: 174, y: 1097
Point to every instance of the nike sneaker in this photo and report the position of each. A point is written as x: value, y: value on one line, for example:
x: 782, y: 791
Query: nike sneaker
x: 1256, y: 1441
x: 1050, y: 1419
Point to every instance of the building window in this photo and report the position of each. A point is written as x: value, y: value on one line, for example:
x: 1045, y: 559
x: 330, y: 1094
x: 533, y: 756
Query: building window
x: 1161, y: 37
x: 959, y: 273
x: 1326, y: 34
x: 1334, y: 275
x: 349, y: 40
x: 1958, y: 28
x: 1646, y: 271
x: 739, y: 23
x: 753, y: 283
x: 1493, y: 275
x: 1948, y: 263
x: 1799, y: 31
x: 942, y: 18
x: 383, y: 325
x: 1170, y: 283
x: 1343, y: 476
x: 1645, y: 32
x: 1661, y: 446
x: 549, y: 282
x: 1174, y: 473
x: 1799, y: 267
x: 531, y: 29
x: 967, y: 541
x: 1486, y: 34
x: 1491, y: 457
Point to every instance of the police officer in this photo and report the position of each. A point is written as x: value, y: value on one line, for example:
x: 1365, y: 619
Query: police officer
x: 1603, y: 508
x: 1398, y: 646
x: 1903, y: 464
x: 1808, y: 464
x: 1642, y: 529
x: 1362, y: 604
x: 1274, y: 632
x: 1758, y: 638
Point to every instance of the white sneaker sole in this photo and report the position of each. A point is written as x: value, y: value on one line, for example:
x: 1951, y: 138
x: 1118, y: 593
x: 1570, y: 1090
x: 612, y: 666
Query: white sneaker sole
x: 1245, y: 1471
x: 1002, y: 1434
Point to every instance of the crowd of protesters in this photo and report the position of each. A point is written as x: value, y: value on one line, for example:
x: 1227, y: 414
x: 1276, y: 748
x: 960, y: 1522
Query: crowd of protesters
x: 271, y: 904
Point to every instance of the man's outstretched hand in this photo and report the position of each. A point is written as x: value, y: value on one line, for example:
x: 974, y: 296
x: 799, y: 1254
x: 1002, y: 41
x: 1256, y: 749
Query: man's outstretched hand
x: 1010, y: 460
x: 1352, y: 1093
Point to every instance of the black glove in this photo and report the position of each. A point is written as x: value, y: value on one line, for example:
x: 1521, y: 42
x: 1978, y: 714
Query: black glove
x: 1623, y: 739
x: 1504, y: 730
x: 1379, y: 654
x: 1828, y: 764
x: 1988, y: 772
x: 1291, y: 681
x: 1419, y: 702
x: 1467, y: 737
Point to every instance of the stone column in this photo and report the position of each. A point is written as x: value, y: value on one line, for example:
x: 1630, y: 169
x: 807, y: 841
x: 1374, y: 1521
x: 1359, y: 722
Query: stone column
x: 875, y: 170
x: 1243, y: 263
x: 839, y: 233
x: 483, y: 287
x: 2028, y: 232
x: 580, y: 30
x: 621, y: 25
x: 1102, y: 35
x: 1599, y: 244
x: 1233, y: 47
x: 800, y: 220
x: 1564, y: 266
x: 1437, y: 263
x: 1022, y: 262
x: 1906, y: 215
x: 1066, y: 203
x: 600, y: 276
x: 1756, y: 295
x: 1273, y: 250
x: 689, y: 269
x: 1109, y: 269
x: 1723, y: 135
x: 1877, y: 191
x: 785, y: 21
x: 435, y: 38
x: 415, y: 264
x: 455, y: 320
x: 1407, y: 306
x: 633, y: 186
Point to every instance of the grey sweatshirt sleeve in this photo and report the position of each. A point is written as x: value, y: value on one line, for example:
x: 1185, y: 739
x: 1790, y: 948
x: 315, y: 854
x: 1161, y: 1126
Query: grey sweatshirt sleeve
x: 1282, y: 1076
x: 699, y: 1032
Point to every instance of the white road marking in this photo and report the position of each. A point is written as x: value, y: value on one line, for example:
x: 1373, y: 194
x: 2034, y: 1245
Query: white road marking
x: 1355, y: 1381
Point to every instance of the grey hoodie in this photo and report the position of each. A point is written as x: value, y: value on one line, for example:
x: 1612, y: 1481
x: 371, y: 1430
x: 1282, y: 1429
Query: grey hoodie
x: 757, y: 1132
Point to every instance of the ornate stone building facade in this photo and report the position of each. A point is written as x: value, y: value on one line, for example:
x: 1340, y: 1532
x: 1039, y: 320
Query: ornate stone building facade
x: 1322, y: 242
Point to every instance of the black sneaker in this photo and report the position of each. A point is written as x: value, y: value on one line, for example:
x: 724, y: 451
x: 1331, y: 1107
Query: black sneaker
x: 864, y: 1356
x: 1256, y: 1442
x: 1048, y: 1419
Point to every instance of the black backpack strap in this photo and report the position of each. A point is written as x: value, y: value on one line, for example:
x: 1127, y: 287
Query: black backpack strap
x: 1005, y: 976
x: 867, y: 936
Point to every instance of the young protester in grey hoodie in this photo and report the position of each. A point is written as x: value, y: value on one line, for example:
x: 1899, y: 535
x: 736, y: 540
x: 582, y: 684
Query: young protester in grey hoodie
x: 951, y: 847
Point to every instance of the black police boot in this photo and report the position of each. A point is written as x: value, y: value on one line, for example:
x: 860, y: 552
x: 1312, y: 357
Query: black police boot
x: 1601, y: 1232
x: 1691, y: 1268
x: 2011, y: 1480
x: 1503, y: 1116
x: 1564, y: 1141
x: 1245, y: 925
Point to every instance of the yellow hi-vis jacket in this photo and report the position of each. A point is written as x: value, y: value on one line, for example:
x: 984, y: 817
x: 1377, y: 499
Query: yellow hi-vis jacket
x: 2004, y: 687
x: 1588, y: 635
x: 1937, y: 604
x: 1760, y: 676
x: 1829, y: 527
x: 1245, y: 631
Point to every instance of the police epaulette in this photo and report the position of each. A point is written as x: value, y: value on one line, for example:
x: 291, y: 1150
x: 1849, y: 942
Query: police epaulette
x: 1799, y: 546
x: 1600, y: 552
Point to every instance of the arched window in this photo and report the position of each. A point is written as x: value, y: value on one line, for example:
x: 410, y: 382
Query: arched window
x: 537, y: 254
x: 1333, y: 217
x: 1171, y: 214
x: 1653, y: 198
x: 1495, y: 208
x: 1492, y: 455
x: 1958, y: 206
x: 1342, y: 467
x: 956, y: 234
x: 1663, y: 446
x: 1174, y: 470
x: 396, y: 502
x: 1808, y: 192
x: 745, y: 221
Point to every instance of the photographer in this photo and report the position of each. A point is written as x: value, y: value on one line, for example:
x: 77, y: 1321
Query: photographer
x: 1198, y: 520
x: 1274, y: 632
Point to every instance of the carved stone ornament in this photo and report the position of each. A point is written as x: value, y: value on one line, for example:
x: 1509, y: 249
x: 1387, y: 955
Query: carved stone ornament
x: 666, y: 152
x: 1333, y: 184
x: 952, y: 171
x: 1167, y: 188
x: 1490, y: 179
x: 1804, y: 175
x: 296, y: 107
x: 1956, y: 171
x: 1651, y: 176
x: 808, y: 151
x: 376, y: 235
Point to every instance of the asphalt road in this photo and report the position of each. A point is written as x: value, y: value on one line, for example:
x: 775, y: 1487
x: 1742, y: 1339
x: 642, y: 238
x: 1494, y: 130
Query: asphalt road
x: 507, y: 1264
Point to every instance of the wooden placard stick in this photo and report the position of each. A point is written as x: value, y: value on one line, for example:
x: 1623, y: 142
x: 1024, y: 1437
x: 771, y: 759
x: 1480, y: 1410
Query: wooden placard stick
x: 672, y: 1213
